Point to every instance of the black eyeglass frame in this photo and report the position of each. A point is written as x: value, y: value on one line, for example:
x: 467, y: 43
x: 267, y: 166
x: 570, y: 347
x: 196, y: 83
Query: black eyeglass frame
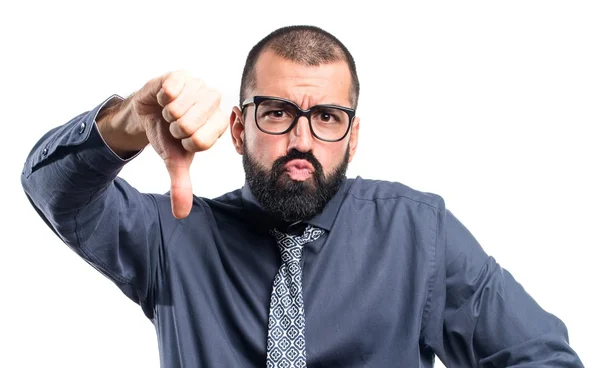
x: 256, y: 100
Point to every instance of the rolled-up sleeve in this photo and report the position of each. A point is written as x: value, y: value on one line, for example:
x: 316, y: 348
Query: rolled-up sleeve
x: 70, y: 178
x: 480, y: 316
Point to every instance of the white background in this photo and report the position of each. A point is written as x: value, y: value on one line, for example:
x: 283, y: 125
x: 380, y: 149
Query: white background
x: 494, y: 106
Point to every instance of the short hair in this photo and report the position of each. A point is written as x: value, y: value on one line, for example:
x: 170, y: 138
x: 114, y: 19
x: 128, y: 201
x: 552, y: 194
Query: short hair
x: 307, y: 45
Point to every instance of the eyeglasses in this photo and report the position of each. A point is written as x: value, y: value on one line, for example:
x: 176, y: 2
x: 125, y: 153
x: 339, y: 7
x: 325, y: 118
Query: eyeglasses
x: 274, y: 115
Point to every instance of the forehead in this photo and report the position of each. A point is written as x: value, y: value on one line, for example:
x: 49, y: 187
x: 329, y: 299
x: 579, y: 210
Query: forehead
x: 303, y: 84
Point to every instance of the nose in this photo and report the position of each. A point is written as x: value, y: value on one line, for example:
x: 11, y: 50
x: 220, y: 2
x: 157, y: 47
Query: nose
x: 301, y: 138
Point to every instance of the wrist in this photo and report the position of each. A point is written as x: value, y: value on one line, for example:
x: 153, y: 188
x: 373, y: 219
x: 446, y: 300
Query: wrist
x: 121, y: 128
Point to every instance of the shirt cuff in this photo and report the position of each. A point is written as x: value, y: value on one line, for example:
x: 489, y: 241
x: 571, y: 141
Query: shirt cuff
x: 81, y: 137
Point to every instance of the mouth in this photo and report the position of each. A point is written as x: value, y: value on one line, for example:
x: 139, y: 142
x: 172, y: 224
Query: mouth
x: 299, y: 170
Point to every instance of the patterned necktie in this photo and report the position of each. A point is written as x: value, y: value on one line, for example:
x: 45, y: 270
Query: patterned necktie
x: 285, y: 340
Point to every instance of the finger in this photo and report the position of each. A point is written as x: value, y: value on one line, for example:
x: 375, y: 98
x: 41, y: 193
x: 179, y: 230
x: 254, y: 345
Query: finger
x: 181, y: 187
x: 171, y: 85
x: 186, y: 98
x: 207, y: 135
x: 207, y: 102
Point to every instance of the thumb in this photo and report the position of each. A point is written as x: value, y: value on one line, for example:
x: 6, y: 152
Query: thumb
x: 181, y: 187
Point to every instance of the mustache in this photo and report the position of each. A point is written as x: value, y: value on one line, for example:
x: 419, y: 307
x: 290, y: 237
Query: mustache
x: 279, y: 164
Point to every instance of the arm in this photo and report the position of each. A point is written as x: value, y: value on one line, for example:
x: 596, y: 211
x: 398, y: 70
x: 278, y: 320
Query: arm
x: 70, y: 178
x: 479, y: 316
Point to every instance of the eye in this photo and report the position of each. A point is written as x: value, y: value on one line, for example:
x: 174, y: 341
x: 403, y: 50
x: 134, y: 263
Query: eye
x: 275, y: 111
x: 326, y: 117
x: 277, y: 114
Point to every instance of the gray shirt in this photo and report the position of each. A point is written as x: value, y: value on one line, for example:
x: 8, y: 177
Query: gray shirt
x: 395, y: 279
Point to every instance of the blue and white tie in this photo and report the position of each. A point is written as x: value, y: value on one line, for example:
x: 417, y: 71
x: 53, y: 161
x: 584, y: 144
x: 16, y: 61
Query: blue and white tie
x: 285, y: 339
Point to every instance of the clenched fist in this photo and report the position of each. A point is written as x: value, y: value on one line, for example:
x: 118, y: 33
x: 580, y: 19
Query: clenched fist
x: 179, y: 116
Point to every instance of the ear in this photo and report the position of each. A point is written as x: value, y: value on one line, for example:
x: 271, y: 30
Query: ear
x: 236, y: 127
x: 354, y: 137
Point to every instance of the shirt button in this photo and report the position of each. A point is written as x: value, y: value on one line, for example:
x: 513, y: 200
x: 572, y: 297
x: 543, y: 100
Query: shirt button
x: 45, y: 151
x: 81, y: 128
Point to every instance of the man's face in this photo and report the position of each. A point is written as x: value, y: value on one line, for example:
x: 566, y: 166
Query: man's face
x: 295, y: 174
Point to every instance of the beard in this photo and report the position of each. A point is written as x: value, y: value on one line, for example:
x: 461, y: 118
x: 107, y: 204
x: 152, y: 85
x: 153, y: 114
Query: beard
x: 288, y: 199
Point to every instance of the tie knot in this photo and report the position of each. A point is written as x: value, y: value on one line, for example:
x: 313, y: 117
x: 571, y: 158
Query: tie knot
x: 290, y: 246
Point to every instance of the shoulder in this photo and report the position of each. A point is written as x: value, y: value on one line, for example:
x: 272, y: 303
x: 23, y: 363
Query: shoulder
x: 384, y: 191
x: 202, y: 207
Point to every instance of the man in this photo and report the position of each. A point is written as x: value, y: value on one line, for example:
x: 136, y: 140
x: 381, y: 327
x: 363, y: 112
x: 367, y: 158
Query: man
x: 301, y: 266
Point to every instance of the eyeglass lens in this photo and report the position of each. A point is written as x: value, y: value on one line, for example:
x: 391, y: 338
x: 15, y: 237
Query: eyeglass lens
x: 274, y: 116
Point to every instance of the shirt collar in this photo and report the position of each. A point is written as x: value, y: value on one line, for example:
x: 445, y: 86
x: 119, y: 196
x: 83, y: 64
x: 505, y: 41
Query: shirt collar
x: 324, y: 220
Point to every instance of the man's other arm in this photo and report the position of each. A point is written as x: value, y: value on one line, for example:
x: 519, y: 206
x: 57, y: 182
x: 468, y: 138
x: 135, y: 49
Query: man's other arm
x: 478, y: 315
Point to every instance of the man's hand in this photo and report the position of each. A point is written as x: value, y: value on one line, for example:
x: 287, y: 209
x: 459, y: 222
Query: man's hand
x: 179, y: 116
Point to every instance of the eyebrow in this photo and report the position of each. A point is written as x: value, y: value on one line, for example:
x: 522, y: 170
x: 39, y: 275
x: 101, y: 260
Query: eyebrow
x: 318, y: 104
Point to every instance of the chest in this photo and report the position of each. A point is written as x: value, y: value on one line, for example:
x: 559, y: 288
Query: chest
x: 364, y: 289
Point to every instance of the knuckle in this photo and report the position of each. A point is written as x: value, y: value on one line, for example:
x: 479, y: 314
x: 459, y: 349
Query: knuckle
x: 169, y: 88
x: 185, y: 126
x: 166, y: 115
x: 197, y: 82
x: 174, y: 130
x: 177, y: 74
x: 170, y: 83
x: 202, y: 106
x: 209, y: 99
x: 173, y: 111
x: 222, y: 130
x: 224, y: 125
x: 222, y: 119
x: 201, y: 142
x: 215, y: 97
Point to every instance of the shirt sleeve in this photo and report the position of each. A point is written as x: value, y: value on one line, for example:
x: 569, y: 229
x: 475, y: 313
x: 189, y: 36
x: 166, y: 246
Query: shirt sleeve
x: 478, y: 315
x: 70, y: 178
